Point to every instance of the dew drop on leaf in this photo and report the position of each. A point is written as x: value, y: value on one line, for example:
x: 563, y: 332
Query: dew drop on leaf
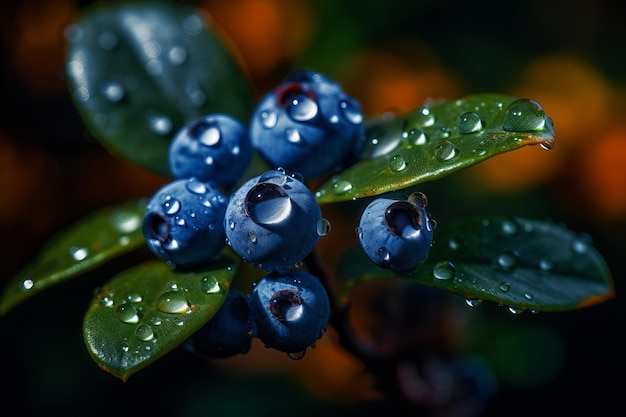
x: 444, y: 151
x: 469, y: 122
x: 524, y: 115
x: 144, y: 332
x: 127, y: 313
x: 173, y: 302
x: 444, y: 270
x: 209, y: 284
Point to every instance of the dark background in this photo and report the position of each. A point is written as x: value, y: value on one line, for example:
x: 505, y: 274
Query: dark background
x: 391, y: 55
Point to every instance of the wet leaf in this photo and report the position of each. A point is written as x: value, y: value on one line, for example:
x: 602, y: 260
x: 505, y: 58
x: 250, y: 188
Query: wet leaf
x: 436, y: 140
x: 144, y: 312
x: 520, y: 263
x: 139, y: 71
x: 91, y: 241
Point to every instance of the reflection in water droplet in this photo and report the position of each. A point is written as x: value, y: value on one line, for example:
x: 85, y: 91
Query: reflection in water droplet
x: 78, y: 253
x: 423, y: 117
x: 341, y: 187
x: 144, y: 332
x: 302, y: 108
x: 473, y: 302
x: 126, y: 313
x: 444, y: 151
x: 26, y: 284
x: 524, y: 115
x: 293, y: 136
x: 444, y: 270
x: 516, y: 310
x: 209, y: 284
x: 173, y: 302
x: 323, y: 227
x: 397, y: 163
x: 469, y: 123
x: 267, y: 203
x: 351, y: 111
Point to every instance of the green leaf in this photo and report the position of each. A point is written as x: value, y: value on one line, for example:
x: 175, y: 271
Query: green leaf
x: 144, y: 312
x: 520, y: 263
x: 91, y: 241
x: 437, y: 140
x: 139, y: 71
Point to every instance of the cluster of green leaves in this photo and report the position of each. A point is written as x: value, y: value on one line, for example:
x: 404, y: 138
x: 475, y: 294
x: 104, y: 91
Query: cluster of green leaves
x: 139, y: 72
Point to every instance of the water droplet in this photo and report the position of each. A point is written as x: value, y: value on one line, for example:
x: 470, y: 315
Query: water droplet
x: 397, y: 163
x: 293, y: 136
x: 546, y: 264
x: 267, y: 203
x: 444, y: 270
x: 106, y: 301
x: 323, y: 227
x: 444, y: 151
x: 206, y: 132
x: 296, y: 356
x: 286, y: 305
x: 158, y: 123
x: 192, y: 25
x: 424, y: 117
x: 454, y: 244
x: 516, y: 310
x: 134, y: 297
x: 581, y: 244
x: 112, y: 91
x: 351, y: 111
x: 196, y: 187
x: 504, y: 286
x: 524, y: 115
x: 177, y: 55
x: 302, y: 108
x: 341, y: 187
x: 171, y: 205
x: 126, y: 313
x: 209, y: 284
x: 275, y: 176
x: 125, y: 222
x: 528, y: 296
x: 108, y: 40
x: 78, y: 253
x: 509, y: 228
x: 269, y: 119
x: 359, y: 231
x: 473, y: 302
x: 508, y: 260
x: 173, y: 302
x: 27, y: 284
x: 384, y: 254
x: 418, y: 198
x: 144, y: 332
x: 252, y: 237
x: 469, y: 122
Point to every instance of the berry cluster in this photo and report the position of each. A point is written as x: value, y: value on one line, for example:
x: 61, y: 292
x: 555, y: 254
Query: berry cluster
x: 306, y: 127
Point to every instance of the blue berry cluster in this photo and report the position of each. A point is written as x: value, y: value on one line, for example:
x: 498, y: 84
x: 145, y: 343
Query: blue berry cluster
x: 305, y: 128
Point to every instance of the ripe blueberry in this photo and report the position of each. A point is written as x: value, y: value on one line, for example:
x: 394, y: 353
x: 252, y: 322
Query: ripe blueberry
x: 228, y: 332
x: 183, y: 223
x: 290, y: 309
x: 214, y: 148
x: 307, y: 124
x: 273, y: 221
x: 395, y: 231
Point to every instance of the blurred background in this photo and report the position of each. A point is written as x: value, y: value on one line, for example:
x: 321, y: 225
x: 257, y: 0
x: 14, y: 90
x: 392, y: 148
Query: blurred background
x: 392, y: 56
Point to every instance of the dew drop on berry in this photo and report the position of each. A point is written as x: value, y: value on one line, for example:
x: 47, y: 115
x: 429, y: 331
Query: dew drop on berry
x: 276, y: 176
x: 444, y: 270
x: 469, y: 122
x: 403, y: 219
x: 384, y: 254
x: 252, y: 237
x: 209, y: 284
x: 293, y: 136
x: 269, y: 119
x: 351, y: 111
x: 144, y: 332
x: 112, y: 91
x: 127, y: 313
x: 296, y: 356
x: 302, y: 108
x: 171, y: 205
x: 195, y: 186
x: 444, y: 151
x: 524, y: 115
x: 173, y: 302
x: 286, y: 305
x: 323, y: 227
x: 397, y: 163
x: 267, y: 203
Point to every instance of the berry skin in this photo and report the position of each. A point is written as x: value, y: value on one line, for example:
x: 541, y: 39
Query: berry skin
x: 216, y: 148
x: 228, y: 332
x: 183, y: 223
x: 396, y: 232
x: 291, y: 310
x: 273, y: 221
x: 307, y: 124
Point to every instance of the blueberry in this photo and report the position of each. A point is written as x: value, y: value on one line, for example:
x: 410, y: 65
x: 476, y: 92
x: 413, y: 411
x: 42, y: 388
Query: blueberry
x: 307, y: 124
x: 290, y: 309
x: 273, y: 221
x: 183, y: 223
x: 228, y: 333
x: 395, y: 231
x: 216, y: 148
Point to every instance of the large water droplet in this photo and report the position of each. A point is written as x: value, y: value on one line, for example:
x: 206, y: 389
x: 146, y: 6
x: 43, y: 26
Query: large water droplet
x: 444, y: 270
x: 469, y: 123
x: 171, y: 205
x: 444, y: 151
x: 269, y: 119
x: 173, y: 302
x: 524, y: 115
x: 126, y: 313
x: 504, y: 286
x: 302, y: 108
x: 267, y: 203
x: 286, y: 305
